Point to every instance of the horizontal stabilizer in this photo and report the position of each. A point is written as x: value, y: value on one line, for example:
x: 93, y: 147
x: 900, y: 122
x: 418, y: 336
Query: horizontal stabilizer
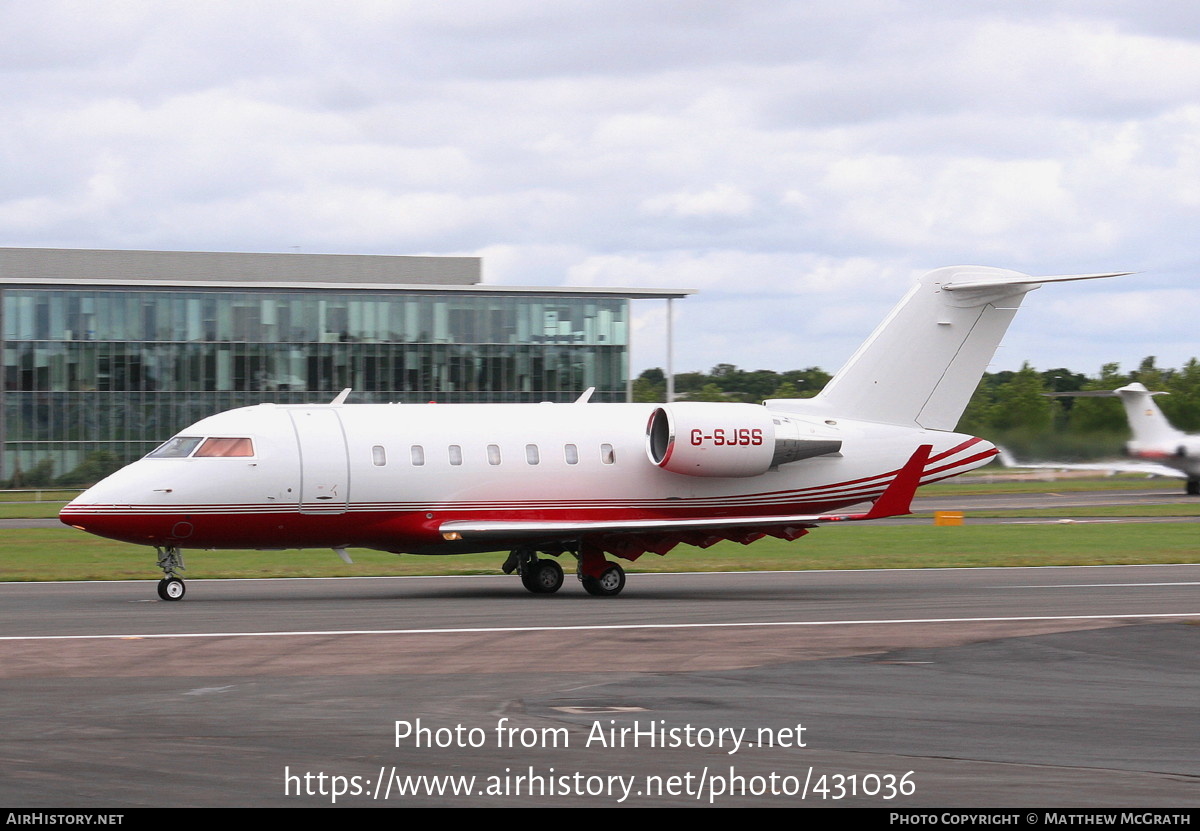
x: 969, y: 281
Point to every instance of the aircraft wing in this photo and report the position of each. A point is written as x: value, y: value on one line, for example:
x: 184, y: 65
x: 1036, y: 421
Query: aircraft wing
x: 896, y: 500
x: 1144, y: 468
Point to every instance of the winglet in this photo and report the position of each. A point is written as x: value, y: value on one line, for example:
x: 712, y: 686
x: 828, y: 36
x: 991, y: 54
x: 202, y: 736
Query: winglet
x: 897, y: 499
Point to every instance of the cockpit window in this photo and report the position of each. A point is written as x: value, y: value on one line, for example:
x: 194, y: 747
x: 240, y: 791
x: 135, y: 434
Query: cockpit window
x: 226, y: 447
x: 176, y: 448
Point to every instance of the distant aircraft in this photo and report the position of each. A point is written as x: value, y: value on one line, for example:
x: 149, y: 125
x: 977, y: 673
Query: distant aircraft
x: 1164, y: 451
x: 585, y: 479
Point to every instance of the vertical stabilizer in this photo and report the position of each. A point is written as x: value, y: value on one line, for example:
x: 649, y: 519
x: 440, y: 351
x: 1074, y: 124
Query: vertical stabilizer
x: 1150, y: 427
x: 921, y: 366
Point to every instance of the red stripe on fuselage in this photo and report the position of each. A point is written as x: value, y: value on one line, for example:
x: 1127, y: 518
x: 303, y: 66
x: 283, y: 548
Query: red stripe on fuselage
x: 401, y: 526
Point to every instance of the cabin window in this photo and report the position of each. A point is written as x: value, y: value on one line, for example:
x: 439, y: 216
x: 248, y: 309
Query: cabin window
x: 456, y: 454
x: 571, y: 454
x: 607, y: 454
x: 493, y: 454
x: 176, y: 448
x: 532, y: 455
x: 378, y: 455
x: 417, y: 452
x: 225, y: 448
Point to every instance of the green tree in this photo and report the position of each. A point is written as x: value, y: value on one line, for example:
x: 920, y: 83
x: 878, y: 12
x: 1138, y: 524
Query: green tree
x: 650, y: 387
x: 645, y: 392
x: 1021, y: 403
x: 38, y: 476
x: 1100, y: 415
x: 1185, y: 397
x: 92, y: 469
x: 785, y: 390
x: 709, y: 392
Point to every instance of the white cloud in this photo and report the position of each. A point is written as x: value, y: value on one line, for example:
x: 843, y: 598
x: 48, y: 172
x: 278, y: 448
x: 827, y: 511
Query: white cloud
x: 798, y: 162
x: 717, y: 201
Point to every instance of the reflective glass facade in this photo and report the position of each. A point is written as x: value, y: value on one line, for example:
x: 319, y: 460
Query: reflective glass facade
x: 121, y: 370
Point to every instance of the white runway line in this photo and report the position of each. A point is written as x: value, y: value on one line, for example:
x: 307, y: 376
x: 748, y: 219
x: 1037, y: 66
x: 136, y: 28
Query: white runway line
x: 592, y: 628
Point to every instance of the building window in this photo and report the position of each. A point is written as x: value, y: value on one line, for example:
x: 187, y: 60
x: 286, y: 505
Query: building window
x: 118, y: 369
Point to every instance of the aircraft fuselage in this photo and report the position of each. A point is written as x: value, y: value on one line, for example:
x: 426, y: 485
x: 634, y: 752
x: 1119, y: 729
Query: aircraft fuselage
x: 388, y: 476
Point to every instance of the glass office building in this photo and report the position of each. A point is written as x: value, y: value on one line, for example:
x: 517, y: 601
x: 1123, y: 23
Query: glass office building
x: 103, y: 368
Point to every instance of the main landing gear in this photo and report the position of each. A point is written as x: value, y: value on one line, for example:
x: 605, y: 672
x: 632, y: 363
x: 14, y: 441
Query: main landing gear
x: 1193, y: 487
x: 538, y: 576
x: 543, y: 576
x: 170, y: 560
x: 608, y: 584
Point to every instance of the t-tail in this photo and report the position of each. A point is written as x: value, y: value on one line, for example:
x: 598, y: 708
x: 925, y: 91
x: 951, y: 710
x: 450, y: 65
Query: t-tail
x: 1150, y: 427
x: 923, y: 363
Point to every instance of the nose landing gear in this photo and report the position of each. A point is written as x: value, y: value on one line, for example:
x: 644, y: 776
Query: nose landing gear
x: 170, y: 560
x: 171, y: 588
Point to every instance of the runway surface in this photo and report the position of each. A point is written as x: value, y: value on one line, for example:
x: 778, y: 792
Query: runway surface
x: 1049, y: 687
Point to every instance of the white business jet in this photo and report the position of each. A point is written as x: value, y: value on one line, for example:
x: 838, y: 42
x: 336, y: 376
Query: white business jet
x: 1160, y: 448
x: 584, y: 479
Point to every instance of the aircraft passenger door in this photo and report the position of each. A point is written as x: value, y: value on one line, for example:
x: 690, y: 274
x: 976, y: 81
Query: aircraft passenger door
x: 324, y: 461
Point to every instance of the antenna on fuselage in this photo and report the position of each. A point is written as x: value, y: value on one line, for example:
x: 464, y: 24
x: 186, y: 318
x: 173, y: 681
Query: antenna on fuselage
x: 341, y: 397
x: 586, y: 396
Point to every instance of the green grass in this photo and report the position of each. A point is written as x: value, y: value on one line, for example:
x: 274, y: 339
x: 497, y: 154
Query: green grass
x: 53, y: 554
x: 59, y: 495
x: 1091, y: 511
x: 64, y: 554
x: 31, y: 510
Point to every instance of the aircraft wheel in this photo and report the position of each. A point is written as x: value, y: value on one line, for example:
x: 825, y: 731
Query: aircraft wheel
x: 543, y: 577
x: 171, y: 588
x: 608, y: 584
x: 529, y: 575
x: 1193, y: 487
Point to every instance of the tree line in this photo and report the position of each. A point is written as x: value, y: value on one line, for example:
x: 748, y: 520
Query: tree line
x: 1013, y: 409
x: 1017, y: 409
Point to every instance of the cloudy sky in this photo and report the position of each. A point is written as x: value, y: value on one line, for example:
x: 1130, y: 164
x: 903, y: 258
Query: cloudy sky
x: 798, y: 162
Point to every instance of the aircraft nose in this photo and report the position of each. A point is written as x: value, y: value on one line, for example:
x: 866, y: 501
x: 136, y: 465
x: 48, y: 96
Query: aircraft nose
x: 72, y: 513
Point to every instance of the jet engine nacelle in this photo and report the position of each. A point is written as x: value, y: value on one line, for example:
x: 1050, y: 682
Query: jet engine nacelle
x: 733, y: 440
x: 1188, y: 448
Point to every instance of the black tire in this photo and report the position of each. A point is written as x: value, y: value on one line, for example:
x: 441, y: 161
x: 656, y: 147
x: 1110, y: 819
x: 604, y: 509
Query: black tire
x: 1193, y: 487
x: 171, y: 588
x: 542, y: 577
x: 527, y: 576
x: 608, y: 584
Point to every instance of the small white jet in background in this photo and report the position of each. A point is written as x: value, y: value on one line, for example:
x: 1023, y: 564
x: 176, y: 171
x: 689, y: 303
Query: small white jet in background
x: 1163, y: 450
x: 585, y: 479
